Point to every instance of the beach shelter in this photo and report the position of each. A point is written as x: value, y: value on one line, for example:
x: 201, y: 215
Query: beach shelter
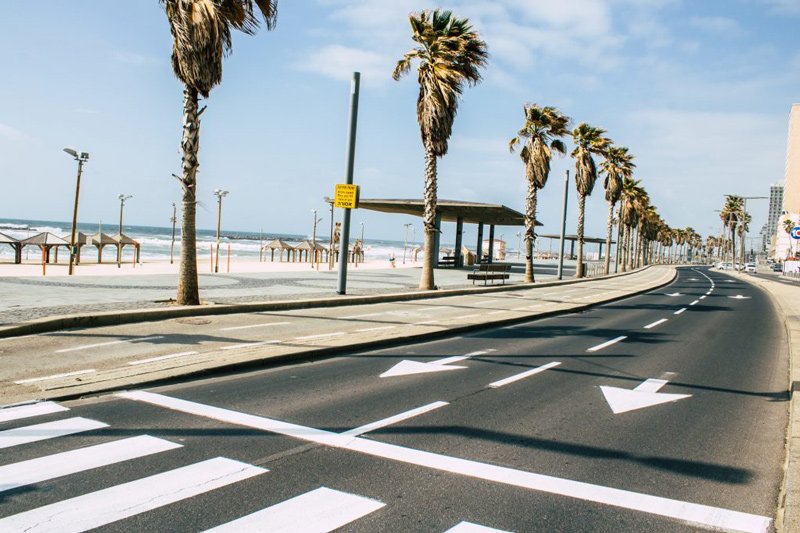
x: 46, y: 241
x: 281, y: 246
x: 308, y: 247
x: 122, y: 241
x: 81, y: 240
x: 101, y: 240
x: 15, y: 244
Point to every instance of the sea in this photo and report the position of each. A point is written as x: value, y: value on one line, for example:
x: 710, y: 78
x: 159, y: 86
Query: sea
x: 156, y: 240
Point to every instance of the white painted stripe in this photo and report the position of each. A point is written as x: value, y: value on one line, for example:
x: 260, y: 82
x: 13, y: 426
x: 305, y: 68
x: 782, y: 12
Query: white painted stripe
x: 523, y: 375
x: 375, y: 329
x: 607, y: 343
x: 248, y: 345
x: 656, y: 323
x: 469, y: 527
x: 262, y: 325
x: 703, y: 297
x: 464, y: 317
x: 679, y: 311
x: 319, y: 336
x: 161, y: 358
x: 29, y: 410
x: 449, y: 360
x: 480, y: 352
x: 48, y: 430
x: 111, y: 343
x: 705, y: 515
x: 62, y: 464
x: 394, y: 419
x: 56, y: 376
x: 109, y: 505
x: 319, y: 511
x: 651, y: 385
x: 695, y: 302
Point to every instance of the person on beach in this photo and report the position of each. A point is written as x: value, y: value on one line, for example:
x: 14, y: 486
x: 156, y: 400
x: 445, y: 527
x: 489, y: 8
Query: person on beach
x: 391, y: 259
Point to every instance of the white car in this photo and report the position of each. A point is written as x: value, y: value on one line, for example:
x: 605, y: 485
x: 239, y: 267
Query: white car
x: 725, y: 266
x: 750, y: 267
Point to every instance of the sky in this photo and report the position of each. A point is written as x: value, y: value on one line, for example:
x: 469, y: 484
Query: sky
x: 699, y: 90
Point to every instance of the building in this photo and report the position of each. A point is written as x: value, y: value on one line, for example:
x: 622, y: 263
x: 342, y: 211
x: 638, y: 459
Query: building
x: 791, y: 186
x: 773, y: 216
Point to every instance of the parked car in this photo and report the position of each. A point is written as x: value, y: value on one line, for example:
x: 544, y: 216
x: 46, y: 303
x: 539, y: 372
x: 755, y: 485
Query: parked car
x: 725, y: 266
x: 750, y: 267
x: 777, y: 267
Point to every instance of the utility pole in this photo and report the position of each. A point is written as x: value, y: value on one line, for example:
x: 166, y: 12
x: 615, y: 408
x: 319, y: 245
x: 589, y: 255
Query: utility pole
x: 220, y: 194
x: 174, y: 220
x: 81, y: 158
x: 122, y: 199
x: 351, y: 154
x: 563, y: 226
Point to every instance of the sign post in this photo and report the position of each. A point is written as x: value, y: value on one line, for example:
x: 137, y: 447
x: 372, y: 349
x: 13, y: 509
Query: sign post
x: 348, y: 190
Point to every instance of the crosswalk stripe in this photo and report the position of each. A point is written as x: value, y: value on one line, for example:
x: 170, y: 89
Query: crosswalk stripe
x: 105, y: 506
x: 318, y: 511
x: 469, y: 527
x: 29, y: 410
x: 65, y: 463
x: 48, y: 430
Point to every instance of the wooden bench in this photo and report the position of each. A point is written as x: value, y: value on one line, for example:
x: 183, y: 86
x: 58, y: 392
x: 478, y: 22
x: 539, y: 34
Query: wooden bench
x: 448, y: 261
x: 490, y: 271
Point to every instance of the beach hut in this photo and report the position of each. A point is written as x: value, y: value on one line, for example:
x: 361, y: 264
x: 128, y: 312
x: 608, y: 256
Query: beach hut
x: 100, y: 241
x: 281, y: 246
x: 15, y: 244
x: 122, y: 241
x: 306, y: 248
x: 81, y: 240
x: 46, y: 241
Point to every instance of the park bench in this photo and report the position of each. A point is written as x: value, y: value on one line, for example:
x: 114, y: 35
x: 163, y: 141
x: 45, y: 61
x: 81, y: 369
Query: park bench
x: 448, y: 261
x: 490, y: 271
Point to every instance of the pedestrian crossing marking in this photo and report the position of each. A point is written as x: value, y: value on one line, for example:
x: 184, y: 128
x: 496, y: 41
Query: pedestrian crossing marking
x: 61, y: 464
x: 319, y: 511
x: 30, y: 410
x: 48, y: 430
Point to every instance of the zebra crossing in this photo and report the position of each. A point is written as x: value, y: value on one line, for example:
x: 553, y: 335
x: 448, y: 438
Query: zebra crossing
x: 320, y: 510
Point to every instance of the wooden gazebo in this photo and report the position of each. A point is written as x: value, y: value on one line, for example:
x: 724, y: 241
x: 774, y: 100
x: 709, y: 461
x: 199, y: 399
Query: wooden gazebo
x: 306, y: 249
x: 122, y: 241
x: 281, y: 246
x: 15, y: 244
x: 46, y: 241
x: 101, y: 240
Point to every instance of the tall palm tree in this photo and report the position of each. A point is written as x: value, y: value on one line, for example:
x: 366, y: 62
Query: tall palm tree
x: 542, y: 132
x: 788, y: 225
x: 450, y: 54
x: 589, y: 141
x: 201, y: 33
x: 733, y: 210
x: 617, y: 165
x: 631, y: 190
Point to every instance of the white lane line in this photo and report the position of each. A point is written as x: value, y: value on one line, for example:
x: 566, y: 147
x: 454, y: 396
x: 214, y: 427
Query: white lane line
x: 693, y: 513
x: 470, y: 527
x: 523, y: 375
x: 320, y: 336
x: 62, y: 464
x: 262, y: 325
x: 48, y: 430
x: 607, y: 343
x: 695, y: 302
x: 656, y: 323
x: 105, y: 506
x: 161, y: 358
x: 679, y: 311
x: 29, y: 410
x: 703, y: 297
x: 318, y: 511
x: 56, y: 376
x: 110, y: 343
x: 394, y: 419
x: 249, y: 345
x: 380, y: 328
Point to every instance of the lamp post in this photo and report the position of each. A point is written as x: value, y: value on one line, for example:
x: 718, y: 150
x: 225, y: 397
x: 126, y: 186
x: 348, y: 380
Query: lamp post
x: 174, y: 220
x: 744, y: 228
x: 405, y: 239
x: 122, y: 199
x: 220, y: 194
x: 314, y: 238
x: 81, y: 158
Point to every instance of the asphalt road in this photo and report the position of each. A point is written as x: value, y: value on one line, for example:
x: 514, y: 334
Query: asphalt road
x: 509, y: 428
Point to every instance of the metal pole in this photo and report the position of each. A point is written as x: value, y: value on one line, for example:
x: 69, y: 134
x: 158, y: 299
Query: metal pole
x: 174, y: 219
x: 563, y: 226
x: 74, y: 220
x: 119, y: 246
x: 314, y: 239
x: 405, y: 241
x: 351, y: 153
x: 330, y: 246
x: 219, y: 227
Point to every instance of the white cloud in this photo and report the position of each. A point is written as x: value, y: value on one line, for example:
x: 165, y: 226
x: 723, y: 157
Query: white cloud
x: 715, y: 24
x: 12, y: 134
x: 791, y: 7
x: 339, y: 62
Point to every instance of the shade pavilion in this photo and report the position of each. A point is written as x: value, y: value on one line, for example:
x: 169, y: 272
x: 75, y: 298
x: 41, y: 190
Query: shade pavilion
x: 46, y: 241
x: 281, y: 246
x: 15, y: 244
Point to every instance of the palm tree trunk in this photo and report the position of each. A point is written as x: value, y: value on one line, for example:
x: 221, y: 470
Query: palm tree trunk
x: 530, y: 223
x: 608, y: 237
x: 624, y: 262
x: 188, y: 288
x: 426, y: 282
x: 579, y: 273
x: 733, y: 244
x: 620, y: 234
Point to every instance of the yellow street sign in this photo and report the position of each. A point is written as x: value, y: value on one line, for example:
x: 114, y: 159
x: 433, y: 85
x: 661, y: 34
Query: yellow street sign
x: 346, y: 196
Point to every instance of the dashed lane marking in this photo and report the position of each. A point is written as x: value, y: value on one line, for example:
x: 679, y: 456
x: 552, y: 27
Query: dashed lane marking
x: 523, y: 375
x: 607, y: 343
x: 656, y: 323
x: 679, y: 311
x: 110, y: 343
x: 394, y: 419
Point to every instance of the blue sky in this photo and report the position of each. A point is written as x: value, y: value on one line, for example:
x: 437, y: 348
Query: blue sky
x: 698, y: 90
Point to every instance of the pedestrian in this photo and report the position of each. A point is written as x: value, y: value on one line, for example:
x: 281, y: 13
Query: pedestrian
x: 391, y: 259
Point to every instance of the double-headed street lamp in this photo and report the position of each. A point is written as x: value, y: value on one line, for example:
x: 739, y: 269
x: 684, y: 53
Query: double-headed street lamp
x: 81, y: 158
x: 122, y: 199
x: 220, y: 194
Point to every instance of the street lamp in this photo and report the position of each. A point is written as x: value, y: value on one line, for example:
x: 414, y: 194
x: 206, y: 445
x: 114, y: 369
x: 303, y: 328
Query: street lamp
x: 81, y: 158
x: 405, y: 239
x: 174, y: 219
x: 220, y: 194
x: 122, y: 200
x: 314, y: 238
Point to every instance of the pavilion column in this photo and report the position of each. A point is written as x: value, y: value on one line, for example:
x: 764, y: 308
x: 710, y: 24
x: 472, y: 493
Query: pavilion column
x: 437, y: 240
x: 572, y: 249
x: 479, y: 246
x: 600, y: 253
x: 18, y: 254
x: 491, y: 243
x: 99, y: 254
x: 459, y: 233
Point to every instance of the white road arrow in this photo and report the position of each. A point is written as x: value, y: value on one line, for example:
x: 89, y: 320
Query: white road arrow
x: 739, y: 297
x: 673, y: 294
x: 645, y: 395
x: 407, y: 368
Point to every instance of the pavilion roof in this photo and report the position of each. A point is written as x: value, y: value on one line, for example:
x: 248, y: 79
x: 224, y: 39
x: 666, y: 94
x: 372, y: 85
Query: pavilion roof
x: 308, y: 245
x: 45, y: 239
x: 123, y: 239
x: 450, y: 210
x: 279, y: 243
x: 591, y: 240
x: 5, y: 239
x: 103, y: 238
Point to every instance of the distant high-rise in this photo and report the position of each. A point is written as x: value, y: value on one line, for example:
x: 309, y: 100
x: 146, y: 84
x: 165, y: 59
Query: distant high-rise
x: 791, y: 184
x: 774, y: 215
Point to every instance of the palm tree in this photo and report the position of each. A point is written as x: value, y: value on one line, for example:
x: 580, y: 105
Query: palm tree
x: 733, y: 210
x: 788, y: 225
x: 588, y: 141
x: 201, y: 32
x: 631, y: 191
x: 450, y: 54
x: 544, y: 127
x: 617, y: 165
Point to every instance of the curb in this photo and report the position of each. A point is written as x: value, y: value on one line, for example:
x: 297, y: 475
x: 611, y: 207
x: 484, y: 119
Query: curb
x: 113, y: 318
x: 327, y: 352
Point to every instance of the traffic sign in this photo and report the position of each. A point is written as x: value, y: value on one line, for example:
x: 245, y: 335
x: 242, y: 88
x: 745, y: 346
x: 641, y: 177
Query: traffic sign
x: 795, y: 233
x: 346, y: 196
